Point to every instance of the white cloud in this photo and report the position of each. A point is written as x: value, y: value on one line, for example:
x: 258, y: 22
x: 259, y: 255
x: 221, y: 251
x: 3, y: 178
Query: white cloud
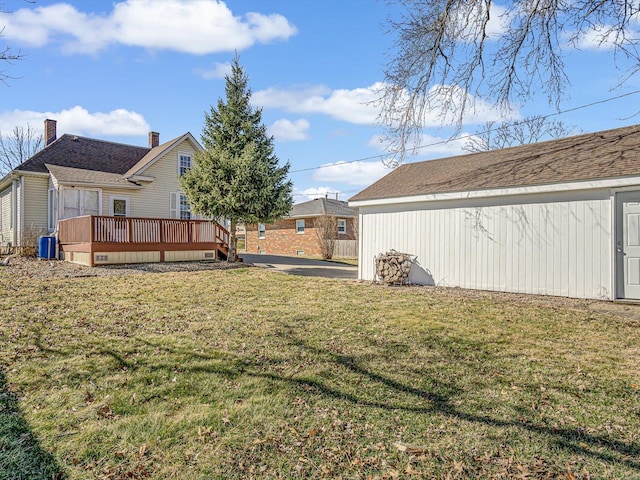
x: 596, y: 38
x: 192, y: 26
x: 290, y: 131
x: 311, y: 193
x: 353, y: 106
x: 353, y: 173
x: 219, y: 70
x: 78, y: 120
x: 361, y: 106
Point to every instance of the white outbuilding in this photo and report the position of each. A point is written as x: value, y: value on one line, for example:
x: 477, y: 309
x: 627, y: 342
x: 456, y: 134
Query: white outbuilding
x: 555, y: 218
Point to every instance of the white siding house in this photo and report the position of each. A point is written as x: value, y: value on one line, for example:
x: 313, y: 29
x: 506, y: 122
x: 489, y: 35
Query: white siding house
x: 555, y: 218
x: 75, y: 176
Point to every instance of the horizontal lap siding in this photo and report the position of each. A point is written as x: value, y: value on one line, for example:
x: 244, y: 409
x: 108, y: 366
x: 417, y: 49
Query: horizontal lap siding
x: 35, y: 206
x: 153, y: 200
x: 558, y: 245
x: 6, y: 232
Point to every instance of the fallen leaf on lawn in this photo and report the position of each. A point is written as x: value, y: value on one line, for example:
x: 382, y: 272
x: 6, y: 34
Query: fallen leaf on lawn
x: 88, y: 397
x: 105, y: 412
x: 410, y: 448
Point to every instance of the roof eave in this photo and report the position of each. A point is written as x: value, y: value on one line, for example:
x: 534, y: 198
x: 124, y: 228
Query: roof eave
x: 611, y: 183
x: 74, y: 183
x: 142, y: 166
x: 315, y: 215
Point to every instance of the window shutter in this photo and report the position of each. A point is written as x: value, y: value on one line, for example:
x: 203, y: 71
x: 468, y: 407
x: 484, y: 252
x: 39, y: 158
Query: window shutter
x: 174, y: 205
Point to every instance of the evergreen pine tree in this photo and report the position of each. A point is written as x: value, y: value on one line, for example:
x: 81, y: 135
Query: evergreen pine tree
x: 237, y: 175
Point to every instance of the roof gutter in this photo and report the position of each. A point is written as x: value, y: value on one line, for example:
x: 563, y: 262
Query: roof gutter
x: 501, y: 192
x: 7, y: 179
x: 74, y: 183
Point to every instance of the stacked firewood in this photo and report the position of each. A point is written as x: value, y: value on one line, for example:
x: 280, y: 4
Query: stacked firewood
x: 393, y: 267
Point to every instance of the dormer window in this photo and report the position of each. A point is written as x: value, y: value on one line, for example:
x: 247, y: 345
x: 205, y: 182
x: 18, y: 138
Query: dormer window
x: 184, y: 163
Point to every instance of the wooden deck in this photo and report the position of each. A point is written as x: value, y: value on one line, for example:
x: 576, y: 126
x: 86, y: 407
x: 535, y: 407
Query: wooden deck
x: 101, y: 240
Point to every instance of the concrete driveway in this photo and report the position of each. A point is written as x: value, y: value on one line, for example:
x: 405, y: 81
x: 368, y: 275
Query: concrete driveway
x: 302, y: 266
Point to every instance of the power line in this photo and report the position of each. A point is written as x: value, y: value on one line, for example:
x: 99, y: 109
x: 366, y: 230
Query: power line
x: 463, y: 137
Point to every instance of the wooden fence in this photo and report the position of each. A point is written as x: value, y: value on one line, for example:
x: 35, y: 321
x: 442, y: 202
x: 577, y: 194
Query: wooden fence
x: 346, y: 249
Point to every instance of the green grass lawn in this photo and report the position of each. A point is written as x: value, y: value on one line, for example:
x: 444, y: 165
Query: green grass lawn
x: 251, y: 374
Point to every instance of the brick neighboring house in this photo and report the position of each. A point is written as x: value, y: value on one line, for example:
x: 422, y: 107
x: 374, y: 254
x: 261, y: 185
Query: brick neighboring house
x: 297, y: 233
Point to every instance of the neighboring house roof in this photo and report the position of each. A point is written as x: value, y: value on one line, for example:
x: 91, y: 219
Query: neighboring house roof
x: 593, y: 156
x: 85, y: 153
x: 322, y: 206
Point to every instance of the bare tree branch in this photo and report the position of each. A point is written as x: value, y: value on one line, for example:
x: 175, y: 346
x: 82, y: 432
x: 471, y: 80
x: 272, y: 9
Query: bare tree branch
x: 534, y: 129
x: 18, y: 146
x: 8, y: 55
x: 326, y: 228
x: 448, y: 53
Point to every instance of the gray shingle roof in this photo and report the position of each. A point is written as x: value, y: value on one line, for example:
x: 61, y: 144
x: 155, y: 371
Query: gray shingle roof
x: 79, y: 175
x: 87, y: 154
x: 322, y: 206
x: 593, y: 156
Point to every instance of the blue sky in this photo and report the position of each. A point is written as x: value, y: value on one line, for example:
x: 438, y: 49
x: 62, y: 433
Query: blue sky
x: 118, y: 69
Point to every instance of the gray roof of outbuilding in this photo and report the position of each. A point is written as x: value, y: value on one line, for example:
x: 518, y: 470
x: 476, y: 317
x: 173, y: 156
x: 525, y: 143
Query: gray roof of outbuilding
x: 593, y: 156
x: 87, y: 154
x: 322, y: 206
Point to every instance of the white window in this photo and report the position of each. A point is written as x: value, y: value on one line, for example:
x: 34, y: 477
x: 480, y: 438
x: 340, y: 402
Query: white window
x: 180, y: 206
x: 342, y: 226
x: 78, y: 201
x: 185, y: 209
x: 52, y: 209
x: 184, y: 163
x: 300, y: 226
x: 262, y: 230
x: 119, y: 206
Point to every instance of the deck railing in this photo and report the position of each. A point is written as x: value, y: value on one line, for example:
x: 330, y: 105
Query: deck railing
x: 103, y: 229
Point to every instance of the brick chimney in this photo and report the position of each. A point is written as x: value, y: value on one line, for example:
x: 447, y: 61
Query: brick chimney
x: 50, y: 134
x: 154, y: 139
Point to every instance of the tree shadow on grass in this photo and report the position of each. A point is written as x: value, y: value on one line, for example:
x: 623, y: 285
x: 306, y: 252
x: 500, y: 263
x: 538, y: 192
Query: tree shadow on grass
x: 21, y: 456
x: 576, y: 440
x: 412, y: 399
x: 400, y: 395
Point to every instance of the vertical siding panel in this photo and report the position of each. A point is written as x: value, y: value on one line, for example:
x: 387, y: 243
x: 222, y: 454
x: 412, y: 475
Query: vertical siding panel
x: 455, y: 246
x: 594, y: 260
x: 532, y: 275
x: 605, y: 248
x: 541, y: 248
x: 520, y: 248
x: 540, y: 263
x: 470, y: 250
x: 489, y: 263
x: 571, y: 249
x: 550, y: 242
x: 441, y: 250
x: 581, y: 249
x: 503, y: 247
x: 564, y: 250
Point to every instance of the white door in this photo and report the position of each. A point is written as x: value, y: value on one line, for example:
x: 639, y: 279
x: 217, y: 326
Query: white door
x: 119, y: 206
x: 628, y: 245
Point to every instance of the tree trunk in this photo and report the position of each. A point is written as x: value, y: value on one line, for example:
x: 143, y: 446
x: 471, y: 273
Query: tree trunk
x: 233, y: 254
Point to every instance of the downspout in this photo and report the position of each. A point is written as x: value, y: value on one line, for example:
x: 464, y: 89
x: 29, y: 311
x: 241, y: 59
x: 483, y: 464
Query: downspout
x: 14, y: 212
x: 21, y: 209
